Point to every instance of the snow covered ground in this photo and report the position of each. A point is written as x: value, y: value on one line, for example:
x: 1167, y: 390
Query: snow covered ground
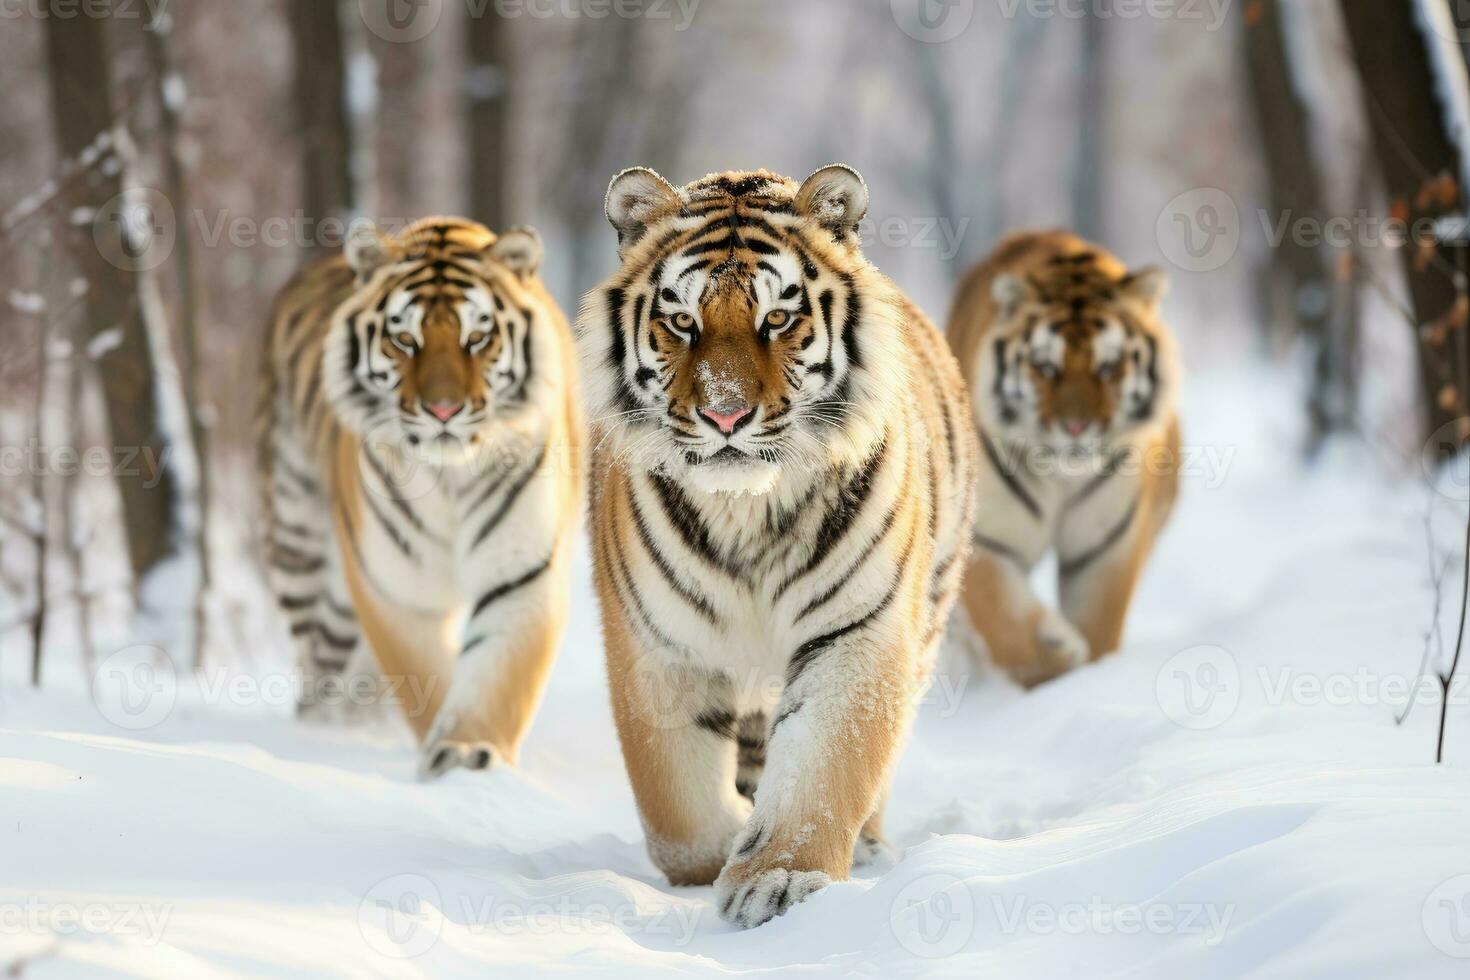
x: 1228, y: 796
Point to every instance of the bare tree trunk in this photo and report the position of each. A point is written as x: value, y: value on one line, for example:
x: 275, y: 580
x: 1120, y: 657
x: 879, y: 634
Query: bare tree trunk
x: 1414, y: 149
x: 1087, y: 173
x: 40, y: 489
x: 321, y: 87
x: 88, y: 137
x: 487, y: 97
x: 171, y: 93
x: 1299, y: 281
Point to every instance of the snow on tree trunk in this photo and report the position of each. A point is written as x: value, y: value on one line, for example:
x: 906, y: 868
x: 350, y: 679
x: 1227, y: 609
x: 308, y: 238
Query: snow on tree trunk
x: 112, y: 242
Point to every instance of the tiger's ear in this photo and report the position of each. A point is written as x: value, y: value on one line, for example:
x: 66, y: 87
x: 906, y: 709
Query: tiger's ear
x: 636, y: 198
x: 1009, y: 292
x: 367, y: 250
x: 835, y: 195
x: 1147, y: 286
x: 519, y: 250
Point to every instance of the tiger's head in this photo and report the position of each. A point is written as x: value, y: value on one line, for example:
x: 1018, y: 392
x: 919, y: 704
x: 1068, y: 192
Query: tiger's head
x: 433, y: 346
x: 1078, y: 360
x: 730, y: 346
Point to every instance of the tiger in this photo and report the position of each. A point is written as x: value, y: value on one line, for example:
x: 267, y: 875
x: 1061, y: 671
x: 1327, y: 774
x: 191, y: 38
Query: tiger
x: 421, y: 459
x: 781, y: 495
x: 1074, y: 380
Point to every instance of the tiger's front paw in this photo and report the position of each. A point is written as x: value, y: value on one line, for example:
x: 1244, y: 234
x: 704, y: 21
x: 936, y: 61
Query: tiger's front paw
x: 440, y: 756
x: 749, y: 901
x: 1059, y: 648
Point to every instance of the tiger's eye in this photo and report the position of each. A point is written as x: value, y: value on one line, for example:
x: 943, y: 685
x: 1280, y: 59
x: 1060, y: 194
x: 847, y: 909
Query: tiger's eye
x: 476, y: 339
x: 777, y: 318
x: 406, y: 339
x: 683, y: 321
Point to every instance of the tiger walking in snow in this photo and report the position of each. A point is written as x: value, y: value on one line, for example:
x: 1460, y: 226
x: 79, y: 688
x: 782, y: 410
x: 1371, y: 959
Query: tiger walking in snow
x: 1073, y: 381
x: 782, y: 498
x: 421, y: 461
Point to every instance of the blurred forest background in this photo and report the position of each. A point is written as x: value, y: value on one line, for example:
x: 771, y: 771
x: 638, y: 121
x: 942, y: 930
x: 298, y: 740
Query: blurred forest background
x: 165, y: 166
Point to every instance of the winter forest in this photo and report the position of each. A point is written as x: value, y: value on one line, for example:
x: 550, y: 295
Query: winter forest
x: 1268, y: 778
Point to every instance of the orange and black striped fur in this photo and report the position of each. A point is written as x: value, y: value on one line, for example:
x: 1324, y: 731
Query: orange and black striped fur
x: 420, y: 439
x: 1073, y: 382
x: 781, y: 499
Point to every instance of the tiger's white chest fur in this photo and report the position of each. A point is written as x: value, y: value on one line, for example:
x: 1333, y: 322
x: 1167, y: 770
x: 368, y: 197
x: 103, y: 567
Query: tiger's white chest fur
x: 1036, y: 500
x: 432, y: 529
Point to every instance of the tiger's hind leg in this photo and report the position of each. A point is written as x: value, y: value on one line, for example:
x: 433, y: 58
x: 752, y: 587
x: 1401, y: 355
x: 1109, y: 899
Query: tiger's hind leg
x: 305, y: 575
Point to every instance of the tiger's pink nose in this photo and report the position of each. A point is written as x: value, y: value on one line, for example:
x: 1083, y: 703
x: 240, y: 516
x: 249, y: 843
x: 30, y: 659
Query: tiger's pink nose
x: 444, y: 411
x: 1075, y: 427
x: 726, y: 419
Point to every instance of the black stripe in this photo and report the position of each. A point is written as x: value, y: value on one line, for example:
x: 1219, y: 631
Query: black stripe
x: 1072, y: 566
x: 1110, y: 469
x: 811, y: 649
x: 840, y: 517
x: 825, y: 597
x: 685, y: 592
x: 506, y: 588
x: 686, y: 521
x: 999, y: 548
x: 1009, y: 479
x: 509, y: 499
x: 636, y: 597
x: 717, y: 721
x: 786, y: 713
x: 850, y: 323
x: 394, y: 535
